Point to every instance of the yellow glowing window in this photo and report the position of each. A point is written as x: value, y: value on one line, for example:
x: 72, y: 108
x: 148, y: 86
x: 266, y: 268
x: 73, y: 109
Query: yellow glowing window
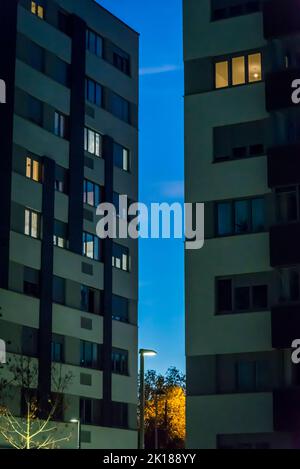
x: 32, y: 169
x: 254, y: 67
x: 222, y: 77
x: 238, y: 71
x: 37, y: 9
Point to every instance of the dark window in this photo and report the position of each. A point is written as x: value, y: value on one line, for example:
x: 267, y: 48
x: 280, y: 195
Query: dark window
x: 57, y: 351
x: 119, y: 414
x: 260, y: 297
x: 31, y: 285
x: 119, y: 107
x: 222, y: 9
x: 94, y: 43
x: 91, y: 193
x: 59, y: 290
x: 120, y: 362
x: 121, y: 157
x: 224, y: 295
x: 91, y: 300
x: 35, y: 110
x: 36, y: 57
x: 120, y: 307
x: 121, y: 60
x: 242, y: 298
x: 93, y: 92
x: 86, y: 411
x: 287, y: 204
x: 241, y: 216
x: 61, y: 179
x: 29, y: 341
x: 64, y: 23
x: 89, y: 354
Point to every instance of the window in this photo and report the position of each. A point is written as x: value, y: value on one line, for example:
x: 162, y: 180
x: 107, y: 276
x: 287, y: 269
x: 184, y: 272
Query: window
x: 121, y: 157
x: 120, y: 361
x: 121, y: 60
x: 61, y: 179
x: 120, y: 258
x: 31, y: 282
x: 89, y: 354
x: 92, y: 142
x: 59, y: 290
x: 252, y: 376
x: 91, y: 245
x: 29, y: 341
x: 57, y: 347
x: 86, y: 411
x: 238, y: 70
x: 120, y: 308
x: 241, y: 294
x: 289, y: 285
x: 240, y: 140
x: 93, y: 92
x: 33, y: 169
x: 119, y: 414
x: 60, y: 234
x: 287, y: 204
x: 91, y: 300
x: 119, y: 107
x: 91, y: 193
x: 94, y: 43
x: 241, y: 216
x: 32, y: 223
x: 60, y: 125
x: 64, y: 22
x: 37, y: 9
x: 35, y: 110
x: 222, y: 9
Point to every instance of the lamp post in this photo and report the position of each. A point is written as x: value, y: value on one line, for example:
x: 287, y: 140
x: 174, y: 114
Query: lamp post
x: 143, y: 353
x: 78, y: 431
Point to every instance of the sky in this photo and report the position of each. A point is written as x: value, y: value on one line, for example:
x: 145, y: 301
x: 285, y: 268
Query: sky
x: 161, y: 262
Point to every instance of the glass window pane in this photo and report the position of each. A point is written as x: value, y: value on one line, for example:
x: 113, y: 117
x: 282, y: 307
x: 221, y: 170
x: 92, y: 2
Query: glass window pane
x: 34, y: 225
x: 97, y: 195
x: 242, y: 298
x: 99, y: 46
x: 294, y: 285
x: 28, y: 167
x: 254, y: 64
x: 91, y: 91
x: 238, y: 71
x: 40, y: 12
x: 221, y: 74
x: 85, y: 139
x: 96, y: 249
x: 35, y: 170
x: 224, y: 219
x: 260, y: 296
x: 286, y: 201
x: 125, y: 159
x: 91, y: 142
x: 89, y: 246
x: 258, y: 214
x: 224, y: 295
x: 241, y: 209
x: 27, y: 223
x: 98, y: 97
x: 90, y: 194
x: 125, y: 262
x: 33, y: 7
x: 98, y: 142
x: 246, y: 376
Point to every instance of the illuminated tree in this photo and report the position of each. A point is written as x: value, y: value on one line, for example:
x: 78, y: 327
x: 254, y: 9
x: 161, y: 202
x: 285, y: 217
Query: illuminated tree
x: 165, y: 409
x: 36, y: 429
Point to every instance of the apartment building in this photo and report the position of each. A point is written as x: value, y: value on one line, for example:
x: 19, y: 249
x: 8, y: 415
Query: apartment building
x: 242, y: 160
x: 69, y: 140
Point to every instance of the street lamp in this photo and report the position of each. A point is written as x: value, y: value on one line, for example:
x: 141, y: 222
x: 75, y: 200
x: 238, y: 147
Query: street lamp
x: 143, y: 353
x: 78, y: 431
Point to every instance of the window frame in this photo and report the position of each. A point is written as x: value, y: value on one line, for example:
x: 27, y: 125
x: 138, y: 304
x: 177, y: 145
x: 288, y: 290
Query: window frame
x: 33, y: 232
x: 229, y: 59
x: 96, y: 246
x: 98, y: 142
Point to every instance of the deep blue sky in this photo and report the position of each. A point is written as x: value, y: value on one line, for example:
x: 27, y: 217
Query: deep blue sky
x: 161, y: 302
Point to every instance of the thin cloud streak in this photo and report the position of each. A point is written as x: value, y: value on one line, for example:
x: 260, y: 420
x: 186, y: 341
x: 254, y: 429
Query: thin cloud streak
x: 158, y: 70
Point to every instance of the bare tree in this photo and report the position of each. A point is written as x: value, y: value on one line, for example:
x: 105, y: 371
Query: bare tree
x: 36, y: 429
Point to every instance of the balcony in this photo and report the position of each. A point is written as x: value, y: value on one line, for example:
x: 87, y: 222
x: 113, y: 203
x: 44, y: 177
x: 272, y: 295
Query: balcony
x: 281, y: 20
x: 286, y: 410
x: 279, y: 89
x: 285, y: 320
x: 284, y: 165
x: 285, y: 245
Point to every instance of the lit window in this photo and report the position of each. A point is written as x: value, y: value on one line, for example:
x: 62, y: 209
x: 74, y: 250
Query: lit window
x: 90, y: 246
x: 222, y: 77
x: 37, y: 9
x: 120, y: 258
x: 32, y: 223
x: 91, y: 194
x: 254, y: 67
x: 238, y: 71
x: 92, y: 142
x: 33, y: 169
